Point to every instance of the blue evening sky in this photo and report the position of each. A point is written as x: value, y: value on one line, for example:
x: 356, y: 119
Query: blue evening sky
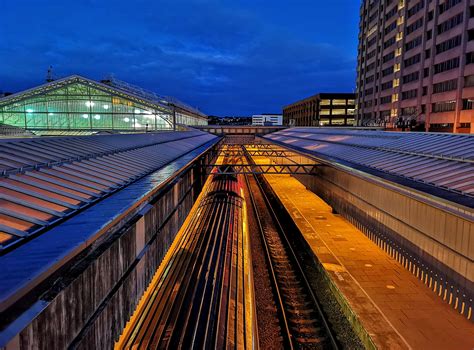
x: 226, y: 57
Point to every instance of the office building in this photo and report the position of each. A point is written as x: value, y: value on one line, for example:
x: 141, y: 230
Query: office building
x: 325, y: 109
x: 416, y: 65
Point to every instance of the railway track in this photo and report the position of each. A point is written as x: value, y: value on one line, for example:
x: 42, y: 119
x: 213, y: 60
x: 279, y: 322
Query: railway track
x: 302, y: 321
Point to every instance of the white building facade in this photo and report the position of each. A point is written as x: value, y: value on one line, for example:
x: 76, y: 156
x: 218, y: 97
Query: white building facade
x: 267, y: 120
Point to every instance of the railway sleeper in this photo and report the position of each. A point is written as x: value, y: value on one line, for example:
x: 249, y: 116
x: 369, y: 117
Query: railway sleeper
x: 300, y: 322
x: 300, y: 311
x: 312, y: 340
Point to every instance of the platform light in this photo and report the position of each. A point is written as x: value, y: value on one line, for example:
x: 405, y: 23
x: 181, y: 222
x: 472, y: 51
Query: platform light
x: 126, y: 120
x: 106, y: 106
x: 50, y: 114
x: 29, y: 110
x: 85, y: 116
x: 97, y: 117
x: 90, y: 104
x: 137, y: 111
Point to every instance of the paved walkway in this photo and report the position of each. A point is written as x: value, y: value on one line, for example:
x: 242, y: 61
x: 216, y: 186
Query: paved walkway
x: 396, y: 309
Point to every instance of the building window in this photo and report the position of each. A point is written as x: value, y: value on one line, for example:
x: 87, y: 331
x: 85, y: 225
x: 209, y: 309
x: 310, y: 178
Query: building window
x: 446, y: 65
x: 447, y: 106
x: 325, y: 102
x: 444, y: 86
x: 409, y: 111
x: 388, y: 57
x: 430, y: 15
x: 338, y: 112
x: 412, y: 44
x: 387, y: 85
x: 468, y: 103
x: 447, y: 5
x: 414, y: 26
x: 412, y: 60
x: 470, y: 57
x: 385, y: 99
x: 469, y: 81
x: 470, y: 34
x: 339, y: 102
x: 407, y: 95
x: 415, y: 9
x: 450, y: 23
x: 411, y: 77
x: 387, y: 71
x: 448, y: 44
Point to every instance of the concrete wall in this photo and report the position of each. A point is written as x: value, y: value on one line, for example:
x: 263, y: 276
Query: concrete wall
x: 91, y: 309
x: 434, y: 243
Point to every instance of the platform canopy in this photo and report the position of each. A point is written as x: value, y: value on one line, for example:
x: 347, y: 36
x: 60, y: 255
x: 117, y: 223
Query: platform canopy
x: 444, y: 161
x: 44, y: 181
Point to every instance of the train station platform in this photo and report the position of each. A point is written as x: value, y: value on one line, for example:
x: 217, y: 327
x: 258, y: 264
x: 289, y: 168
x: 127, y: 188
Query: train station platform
x: 390, y: 306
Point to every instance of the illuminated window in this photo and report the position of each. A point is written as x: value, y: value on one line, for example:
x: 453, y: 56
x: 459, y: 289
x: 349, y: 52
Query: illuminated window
x: 398, y: 51
x: 338, y: 112
x: 393, y: 112
x: 394, y: 97
x: 400, y: 20
x: 396, y: 82
x: 324, y: 112
x: 401, y: 4
x: 338, y: 102
x: 399, y: 36
x: 325, y: 102
x: 396, y: 67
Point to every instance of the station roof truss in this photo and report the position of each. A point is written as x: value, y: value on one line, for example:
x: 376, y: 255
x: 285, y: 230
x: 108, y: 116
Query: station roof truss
x: 45, y: 180
x: 445, y: 161
x: 255, y: 153
x: 235, y: 169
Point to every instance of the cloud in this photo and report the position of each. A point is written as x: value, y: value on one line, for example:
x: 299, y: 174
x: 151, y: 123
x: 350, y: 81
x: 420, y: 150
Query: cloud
x: 225, y: 57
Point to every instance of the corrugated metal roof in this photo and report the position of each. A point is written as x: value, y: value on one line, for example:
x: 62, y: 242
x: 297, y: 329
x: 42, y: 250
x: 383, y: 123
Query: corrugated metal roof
x: 43, y: 180
x: 443, y: 160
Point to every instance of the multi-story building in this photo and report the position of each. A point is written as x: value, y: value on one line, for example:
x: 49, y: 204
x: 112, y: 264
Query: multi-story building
x: 325, y: 109
x: 416, y: 65
x: 267, y: 120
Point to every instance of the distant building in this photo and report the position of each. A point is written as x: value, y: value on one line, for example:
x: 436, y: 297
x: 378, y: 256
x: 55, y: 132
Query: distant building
x: 230, y: 120
x: 267, y: 120
x: 325, y: 109
x: 416, y: 65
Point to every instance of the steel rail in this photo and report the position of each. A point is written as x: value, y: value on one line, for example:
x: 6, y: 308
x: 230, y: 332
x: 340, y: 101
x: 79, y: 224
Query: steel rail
x: 288, y: 338
x: 294, y: 258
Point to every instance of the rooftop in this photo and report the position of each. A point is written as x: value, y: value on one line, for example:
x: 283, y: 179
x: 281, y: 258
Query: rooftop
x: 45, y: 180
x: 58, y: 195
x: 439, y: 164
